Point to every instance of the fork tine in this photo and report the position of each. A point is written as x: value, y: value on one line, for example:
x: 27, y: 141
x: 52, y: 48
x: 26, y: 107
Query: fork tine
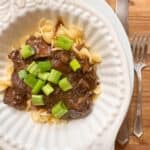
x: 139, y: 48
x: 143, y: 48
x: 139, y: 43
x: 132, y: 41
x: 134, y: 45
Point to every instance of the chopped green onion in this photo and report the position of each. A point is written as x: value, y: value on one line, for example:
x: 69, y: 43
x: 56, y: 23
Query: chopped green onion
x: 64, y: 42
x: 37, y: 100
x: 44, y: 66
x: 43, y: 76
x: 30, y: 80
x: 59, y: 110
x: 31, y: 65
x: 75, y: 65
x: 54, y: 76
x: 33, y: 68
x: 38, y: 86
x: 27, y: 51
x: 64, y: 84
x: 22, y: 74
x: 47, y: 89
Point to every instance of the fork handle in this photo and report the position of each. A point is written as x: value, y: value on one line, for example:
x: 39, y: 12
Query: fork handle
x: 138, y: 124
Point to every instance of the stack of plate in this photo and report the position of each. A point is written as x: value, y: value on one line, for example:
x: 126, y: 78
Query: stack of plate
x: 107, y: 38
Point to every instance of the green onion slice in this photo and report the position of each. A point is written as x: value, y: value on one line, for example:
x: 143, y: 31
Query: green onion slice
x: 47, y: 89
x: 33, y: 68
x: 59, y: 110
x: 22, y: 74
x: 64, y: 42
x: 30, y: 80
x: 75, y: 65
x: 64, y: 84
x: 37, y: 100
x: 44, y: 66
x: 38, y: 86
x: 27, y: 51
x: 54, y: 76
x: 43, y: 76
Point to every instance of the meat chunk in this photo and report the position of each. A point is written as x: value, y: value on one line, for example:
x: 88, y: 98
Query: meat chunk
x: 60, y: 61
x: 80, y: 107
x: 91, y: 78
x: 41, y: 47
x: 17, y: 60
x: 73, y: 114
x: 15, y: 98
x: 19, y: 84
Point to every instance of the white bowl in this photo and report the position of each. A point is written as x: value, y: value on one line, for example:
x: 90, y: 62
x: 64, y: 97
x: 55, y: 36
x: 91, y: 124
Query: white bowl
x: 85, y: 134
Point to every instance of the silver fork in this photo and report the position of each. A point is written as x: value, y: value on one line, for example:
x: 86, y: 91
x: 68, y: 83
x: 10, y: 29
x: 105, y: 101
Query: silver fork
x: 139, y: 45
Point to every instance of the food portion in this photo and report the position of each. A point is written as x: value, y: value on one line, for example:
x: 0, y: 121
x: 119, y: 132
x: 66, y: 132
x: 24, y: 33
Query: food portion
x: 54, y: 74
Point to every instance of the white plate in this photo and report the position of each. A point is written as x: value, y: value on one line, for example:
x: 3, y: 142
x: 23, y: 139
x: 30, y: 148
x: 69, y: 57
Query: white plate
x: 85, y: 133
x: 100, y: 6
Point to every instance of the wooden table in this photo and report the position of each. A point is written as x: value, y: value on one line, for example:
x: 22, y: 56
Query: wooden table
x: 139, y: 21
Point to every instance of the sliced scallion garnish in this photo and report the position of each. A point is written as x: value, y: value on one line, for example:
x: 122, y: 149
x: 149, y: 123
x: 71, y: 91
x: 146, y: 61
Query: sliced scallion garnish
x: 22, y: 74
x: 64, y: 42
x: 33, y: 68
x: 37, y: 100
x: 27, y: 51
x: 65, y: 84
x: 37, y: 87
x: 59, y: 110
x: 44, y: 65
x: 30, y: 80
x: 54, y: 76
x: 47, y: 89
x: 43, y: 76
x: 75, y: 65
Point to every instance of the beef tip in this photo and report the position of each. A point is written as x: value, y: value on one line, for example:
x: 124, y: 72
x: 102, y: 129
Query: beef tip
x: 18, y: 83
x: 17, y: 60
x: 41, y: 47
x: 57, y: 64
x: 81, y: 103
x: 81, y: 88
x: 63, y: 56
x: 74, y: 114
x: 60, y: 61
x: 86, y: 67
x: 77, y: 102
x: 83, y: 84
x: 79, y: 108
x: 15, y: 98
x: 91, y: 78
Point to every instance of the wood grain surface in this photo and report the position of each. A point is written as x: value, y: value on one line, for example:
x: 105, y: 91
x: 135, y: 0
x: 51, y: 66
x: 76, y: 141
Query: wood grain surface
x: 139, y: 21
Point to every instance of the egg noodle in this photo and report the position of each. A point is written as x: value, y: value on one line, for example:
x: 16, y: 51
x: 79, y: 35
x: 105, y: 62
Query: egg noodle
x: 48, y: 30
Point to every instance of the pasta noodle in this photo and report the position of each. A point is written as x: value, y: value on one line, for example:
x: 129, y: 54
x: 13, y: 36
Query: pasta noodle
x: 4, y: 84
x: 73, y: 32
x: 47, y: 30
x: 97, y: 90
x: 42, y: 116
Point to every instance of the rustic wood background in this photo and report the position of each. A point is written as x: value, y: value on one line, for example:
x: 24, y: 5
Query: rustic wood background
x: 139, y: 21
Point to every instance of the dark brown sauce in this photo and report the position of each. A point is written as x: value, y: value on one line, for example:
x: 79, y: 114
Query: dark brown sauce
x: 78, y: 100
